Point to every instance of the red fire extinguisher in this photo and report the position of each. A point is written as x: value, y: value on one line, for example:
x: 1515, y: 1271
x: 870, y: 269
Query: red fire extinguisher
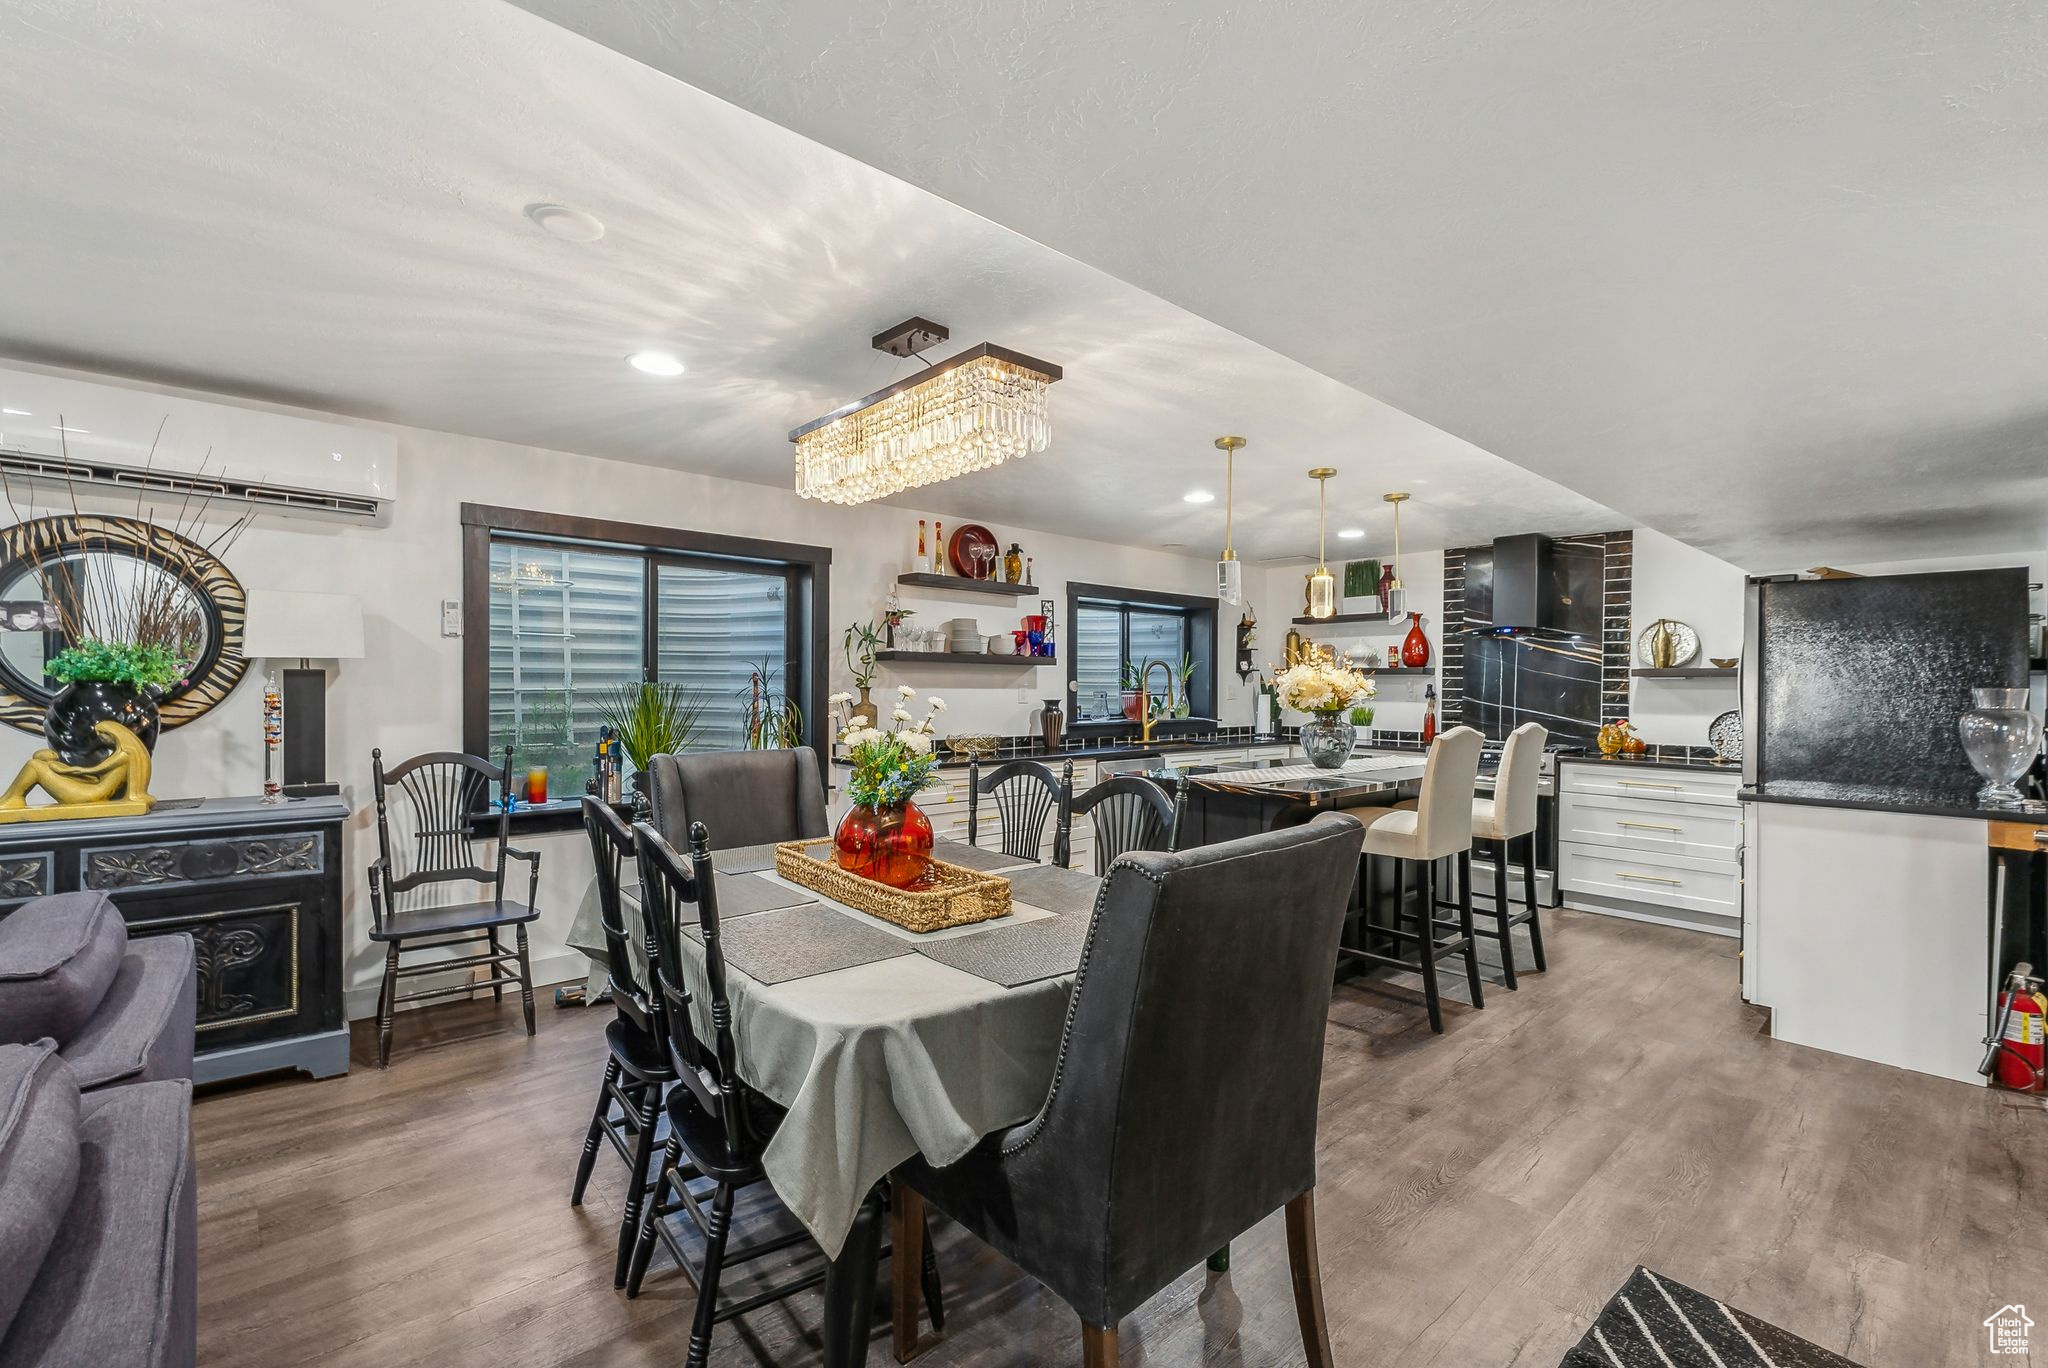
x: 2022, y: 1031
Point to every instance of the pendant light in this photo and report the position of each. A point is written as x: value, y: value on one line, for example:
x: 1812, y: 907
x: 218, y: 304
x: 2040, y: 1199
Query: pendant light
x: 1396, y: 595
x: 1322, y: 585
x: 1229, y: 570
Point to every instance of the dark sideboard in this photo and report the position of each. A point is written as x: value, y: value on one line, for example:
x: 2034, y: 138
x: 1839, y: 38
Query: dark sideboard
x: 259, y: 890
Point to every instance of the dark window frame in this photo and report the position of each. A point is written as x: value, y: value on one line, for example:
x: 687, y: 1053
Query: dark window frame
x: 1201, y: 615
x: 807, y: 571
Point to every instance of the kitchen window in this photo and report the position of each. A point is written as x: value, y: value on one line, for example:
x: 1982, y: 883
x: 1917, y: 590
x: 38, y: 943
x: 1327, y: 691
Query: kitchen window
x: 1116, y: 633
x: 560, y: 622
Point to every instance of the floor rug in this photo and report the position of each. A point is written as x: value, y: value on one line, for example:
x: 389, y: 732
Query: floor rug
x: 1654, y: 1322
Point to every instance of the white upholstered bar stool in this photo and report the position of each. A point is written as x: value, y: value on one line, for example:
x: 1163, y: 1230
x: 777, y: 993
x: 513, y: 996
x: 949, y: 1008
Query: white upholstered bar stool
x: 1437, y: 826
x: 1507, y: 817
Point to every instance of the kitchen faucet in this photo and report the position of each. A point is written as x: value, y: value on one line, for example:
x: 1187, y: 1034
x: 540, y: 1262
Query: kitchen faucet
x: 1145, y: 697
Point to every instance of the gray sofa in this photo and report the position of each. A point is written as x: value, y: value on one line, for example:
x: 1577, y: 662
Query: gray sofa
x: 98, y: 1222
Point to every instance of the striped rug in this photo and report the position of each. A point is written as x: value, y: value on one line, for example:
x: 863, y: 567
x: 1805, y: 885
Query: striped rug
x: 1654, y: 1322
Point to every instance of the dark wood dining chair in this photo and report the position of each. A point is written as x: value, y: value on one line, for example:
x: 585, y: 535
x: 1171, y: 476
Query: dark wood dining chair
x: 443, y: 797
x: 744, y: 798
x: 1130, y: 812
x: 1027, y: 795
x: 1176, y: 1118
x: 637, y: 1071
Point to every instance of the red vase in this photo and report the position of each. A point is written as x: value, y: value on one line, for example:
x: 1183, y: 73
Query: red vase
x: 1415, y: 650
x: 891, y: 845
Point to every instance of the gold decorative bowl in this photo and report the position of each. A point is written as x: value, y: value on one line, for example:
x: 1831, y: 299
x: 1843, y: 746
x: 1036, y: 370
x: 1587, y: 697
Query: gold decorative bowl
x: 1723, y: 662
x: 973, y: 746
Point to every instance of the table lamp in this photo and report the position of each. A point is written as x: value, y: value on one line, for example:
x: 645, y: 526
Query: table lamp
x: 283, y: 625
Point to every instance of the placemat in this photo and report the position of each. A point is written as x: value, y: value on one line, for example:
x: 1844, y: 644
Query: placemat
x: 1066, y: 891
x: 799, y: 942
x: 741, y: 895
x: 742, y: 859
x: 1015, y: 955
x: 973, y: 857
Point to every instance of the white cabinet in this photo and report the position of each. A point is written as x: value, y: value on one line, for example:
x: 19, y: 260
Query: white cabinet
x: 1651, y: 843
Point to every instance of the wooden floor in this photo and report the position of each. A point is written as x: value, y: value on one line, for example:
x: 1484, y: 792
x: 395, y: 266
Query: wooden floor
x: 1481, y: 1195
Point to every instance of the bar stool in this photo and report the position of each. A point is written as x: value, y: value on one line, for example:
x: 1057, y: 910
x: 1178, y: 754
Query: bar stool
x: 1507, y: 817
x: 1438, y: 826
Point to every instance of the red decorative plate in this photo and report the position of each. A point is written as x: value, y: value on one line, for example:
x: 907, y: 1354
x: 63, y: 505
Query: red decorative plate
x: 960, y: 550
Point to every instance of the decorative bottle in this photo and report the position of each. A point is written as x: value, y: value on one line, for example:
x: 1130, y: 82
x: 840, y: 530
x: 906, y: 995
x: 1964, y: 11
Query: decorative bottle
x: 1428, y: 714
x: 1415, y: 650
x: 1013, y: 564
x: 924, y: 560
x: 938, y: 547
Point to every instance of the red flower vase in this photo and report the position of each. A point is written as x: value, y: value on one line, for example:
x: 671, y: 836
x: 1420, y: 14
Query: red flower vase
x: 891, y: 845
x: 1415, y: 650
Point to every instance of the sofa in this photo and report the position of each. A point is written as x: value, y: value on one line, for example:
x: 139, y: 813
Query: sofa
x: 98, y: 1216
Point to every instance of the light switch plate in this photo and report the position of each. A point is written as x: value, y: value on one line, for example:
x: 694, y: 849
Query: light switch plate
x: 451, y: 617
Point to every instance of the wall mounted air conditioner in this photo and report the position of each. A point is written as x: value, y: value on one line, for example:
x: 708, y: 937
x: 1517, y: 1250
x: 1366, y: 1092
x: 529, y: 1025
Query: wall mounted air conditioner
x: 55, y: 429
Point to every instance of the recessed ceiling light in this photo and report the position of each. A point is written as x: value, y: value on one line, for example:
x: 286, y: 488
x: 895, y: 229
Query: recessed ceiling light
x: 656, y: 362
x: 1350, y: 533
x: 1198, y: 496
x: 570, y: 225
x: 61, y: 428
x: 19, y: 413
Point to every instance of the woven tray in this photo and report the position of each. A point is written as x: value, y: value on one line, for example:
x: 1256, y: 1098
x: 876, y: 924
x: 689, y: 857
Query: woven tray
x: 953, y: 896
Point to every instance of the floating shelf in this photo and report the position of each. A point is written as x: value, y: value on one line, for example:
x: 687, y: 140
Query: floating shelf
x: 1342, y: 618
x: 1688, y: 672
x: 1397, y: 669
x: 964, y: 658
x: 971, y: 586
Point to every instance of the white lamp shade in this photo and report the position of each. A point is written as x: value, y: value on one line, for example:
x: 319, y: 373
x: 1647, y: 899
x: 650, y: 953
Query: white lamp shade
x: 283, y: 625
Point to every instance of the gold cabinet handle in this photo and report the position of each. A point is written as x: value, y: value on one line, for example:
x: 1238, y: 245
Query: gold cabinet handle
x: 1649, y: 878
x: 1645, y: 783
x: 1647, y: 826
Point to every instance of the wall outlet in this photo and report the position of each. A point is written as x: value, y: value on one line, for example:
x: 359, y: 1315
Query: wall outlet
x: 451, y: 617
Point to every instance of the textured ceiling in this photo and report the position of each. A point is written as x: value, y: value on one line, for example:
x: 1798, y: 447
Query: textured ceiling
x: 1771, y: 278
x: 321, y: 204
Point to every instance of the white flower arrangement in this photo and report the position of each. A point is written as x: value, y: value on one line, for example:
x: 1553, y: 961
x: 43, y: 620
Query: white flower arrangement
x: 889, y: 767
x: 905, y: 691
x: 1323, y: 686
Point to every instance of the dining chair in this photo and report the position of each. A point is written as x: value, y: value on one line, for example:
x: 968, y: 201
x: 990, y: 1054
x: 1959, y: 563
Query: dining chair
x: 1435, y: 826
x: 1026, y: 795
x: 1130, y: 813
x: 443, y: 798
x: 1173, y: 1123
x: 636, y: 1068
x: 748, y: 797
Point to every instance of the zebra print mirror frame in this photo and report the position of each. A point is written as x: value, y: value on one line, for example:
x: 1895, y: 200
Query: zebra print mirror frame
x: 217, y: 595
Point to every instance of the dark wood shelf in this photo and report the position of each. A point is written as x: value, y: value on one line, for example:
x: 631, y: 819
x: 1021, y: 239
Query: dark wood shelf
x: 1396, y: 669
x: 971, y: 586
x: 964, y: 658
x: 1388, y: 619
x: 1688, y: 672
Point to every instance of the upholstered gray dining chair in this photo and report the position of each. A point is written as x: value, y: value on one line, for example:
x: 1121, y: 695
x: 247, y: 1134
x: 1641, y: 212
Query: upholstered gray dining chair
x: 1183, y: 1110
x: 745, y: 797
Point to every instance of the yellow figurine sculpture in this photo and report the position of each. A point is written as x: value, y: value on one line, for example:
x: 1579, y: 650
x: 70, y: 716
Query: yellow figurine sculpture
x: 117, y: 786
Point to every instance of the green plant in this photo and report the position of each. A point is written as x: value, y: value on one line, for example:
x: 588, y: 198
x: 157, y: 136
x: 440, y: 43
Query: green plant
x: 861, y: 662
x: 652, y: 719
x: 1185, y: 672
x: 117, y: 662
x: 1361, y: 717
x: 773, y: 720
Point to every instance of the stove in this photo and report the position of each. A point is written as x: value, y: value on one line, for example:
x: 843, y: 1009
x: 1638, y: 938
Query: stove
x: 1489, y: 765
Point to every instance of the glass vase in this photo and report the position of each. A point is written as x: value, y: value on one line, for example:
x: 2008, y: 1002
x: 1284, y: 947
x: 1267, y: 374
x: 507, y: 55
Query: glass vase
x: 1326, y: 739
x: 2001, y: 737
x: 891, y: 845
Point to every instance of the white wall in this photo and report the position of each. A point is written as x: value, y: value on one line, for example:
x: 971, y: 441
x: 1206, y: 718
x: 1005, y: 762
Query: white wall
x: 405, y: 695
x: 1399, y: 705
x: 1673, y: 580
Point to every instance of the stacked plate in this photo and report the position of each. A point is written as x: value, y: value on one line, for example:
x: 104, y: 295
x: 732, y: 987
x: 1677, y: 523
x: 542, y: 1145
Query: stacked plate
x: 964, y: 634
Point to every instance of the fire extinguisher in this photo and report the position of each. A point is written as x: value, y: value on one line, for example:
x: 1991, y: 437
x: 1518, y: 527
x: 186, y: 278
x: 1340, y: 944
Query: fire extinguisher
x: 2022, y: 1031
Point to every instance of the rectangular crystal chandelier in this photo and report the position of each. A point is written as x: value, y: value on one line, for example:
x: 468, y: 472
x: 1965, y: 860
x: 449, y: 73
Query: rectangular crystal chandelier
x: 967, y: 413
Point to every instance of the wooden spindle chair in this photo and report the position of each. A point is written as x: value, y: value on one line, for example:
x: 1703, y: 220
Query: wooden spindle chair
x: 1026, y: 796
x: 1131, y: 812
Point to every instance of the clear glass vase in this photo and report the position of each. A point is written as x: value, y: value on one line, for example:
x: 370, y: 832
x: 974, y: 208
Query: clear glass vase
x: 1326, y: 739
x: 2001, y: 736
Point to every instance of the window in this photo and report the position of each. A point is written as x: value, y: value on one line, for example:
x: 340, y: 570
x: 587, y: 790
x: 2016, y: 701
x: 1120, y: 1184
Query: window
x: 1117, y: 632
x: 566, y: 621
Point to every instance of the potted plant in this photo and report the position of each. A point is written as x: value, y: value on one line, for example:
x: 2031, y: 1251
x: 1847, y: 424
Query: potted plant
x: 1185, y: 672
x: 859, y: 645
x: 1132, y: 683
x: 772, y: 719
x: 107, y: 681
x: 883, y: 836
x: 650, y: 719
x: 1324, y: 688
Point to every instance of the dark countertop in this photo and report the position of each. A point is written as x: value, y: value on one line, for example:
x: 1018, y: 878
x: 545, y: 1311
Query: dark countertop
x: 1319, y: 790
x: 1647, y: 762
x: 208, y: 812
x: 1883, y: 798
x: 1117, y: 751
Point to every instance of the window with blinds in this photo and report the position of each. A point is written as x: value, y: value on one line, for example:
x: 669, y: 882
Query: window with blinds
x: 571, y: 624
x: 1112, y: 644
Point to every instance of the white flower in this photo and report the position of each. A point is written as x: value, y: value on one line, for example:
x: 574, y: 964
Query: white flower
x: 905, y: 691
x: 900, y: 715
x: 917, y: 743
x: 840, y: 698
x: 936, y: 703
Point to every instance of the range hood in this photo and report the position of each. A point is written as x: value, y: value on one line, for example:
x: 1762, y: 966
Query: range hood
x: 1528, y: 590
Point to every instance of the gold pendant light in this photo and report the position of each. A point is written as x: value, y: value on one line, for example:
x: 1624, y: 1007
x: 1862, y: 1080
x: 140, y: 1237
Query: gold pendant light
x: 1396, y: 596
x: 1322, y: 585
x: 1229, y: 570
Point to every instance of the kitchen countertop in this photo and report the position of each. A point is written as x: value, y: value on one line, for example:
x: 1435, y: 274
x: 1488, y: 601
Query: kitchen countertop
x: 1645, y: 762
x: 1883, y: 798
x: 1119, y: 751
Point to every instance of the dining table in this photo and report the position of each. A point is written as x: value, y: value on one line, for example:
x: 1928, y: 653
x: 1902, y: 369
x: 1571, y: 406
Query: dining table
x: 882, y: 1043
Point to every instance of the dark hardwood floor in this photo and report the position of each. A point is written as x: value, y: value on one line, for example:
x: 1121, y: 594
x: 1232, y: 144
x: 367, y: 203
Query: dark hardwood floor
x: 1481, y: 1195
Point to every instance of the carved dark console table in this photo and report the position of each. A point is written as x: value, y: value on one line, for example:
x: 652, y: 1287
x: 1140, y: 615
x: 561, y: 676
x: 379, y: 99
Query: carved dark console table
x: 259, y: 889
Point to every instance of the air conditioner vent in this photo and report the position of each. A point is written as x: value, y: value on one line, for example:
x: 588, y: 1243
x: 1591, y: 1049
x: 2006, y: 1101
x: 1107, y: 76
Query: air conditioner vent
x: 18, y: 466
